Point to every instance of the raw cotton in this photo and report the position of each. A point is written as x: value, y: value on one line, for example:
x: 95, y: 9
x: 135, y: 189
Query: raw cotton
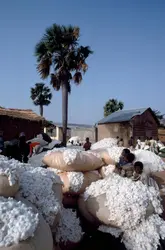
x: 105, y: 143
x: 147, y: 235
x: 54, y: 150
x: 76, y: 180
x: 111, y: 230
x: 70, y: 155
x: 69, y: 229
x: 10, y: 173
x: 106, y: 170
x: 17, y: 221
x: 151, y: 161
x: 36, y: 186
x: 127, y: 201
x: 115, y: 152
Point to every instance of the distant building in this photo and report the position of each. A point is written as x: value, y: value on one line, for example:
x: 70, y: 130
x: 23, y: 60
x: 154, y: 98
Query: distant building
x: 126, y: 123
x: 14, y: 121
x: 81, y: 130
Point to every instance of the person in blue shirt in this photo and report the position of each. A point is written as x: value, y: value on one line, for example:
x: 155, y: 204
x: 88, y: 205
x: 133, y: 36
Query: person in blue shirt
x: 123, y: 158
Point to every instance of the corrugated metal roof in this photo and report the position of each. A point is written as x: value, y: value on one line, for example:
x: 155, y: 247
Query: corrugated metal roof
x: 73, y: 125
x: 122, y: 116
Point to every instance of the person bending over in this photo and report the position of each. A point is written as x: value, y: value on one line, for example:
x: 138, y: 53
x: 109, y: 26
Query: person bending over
x: 128, y: 169
x: 123, y: 158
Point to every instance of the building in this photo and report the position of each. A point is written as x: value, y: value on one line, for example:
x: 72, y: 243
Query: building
x: 14, y: 121
x: 80, y: 130
x: 161, y: 134
x: 126, y: 123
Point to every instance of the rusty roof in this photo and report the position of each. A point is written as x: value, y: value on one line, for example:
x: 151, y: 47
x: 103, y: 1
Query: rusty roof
x: 26, y: 114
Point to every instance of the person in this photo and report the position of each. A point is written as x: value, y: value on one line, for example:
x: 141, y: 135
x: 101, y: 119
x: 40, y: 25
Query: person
x: 12, y: 149
x: 23, y: 147
x: 1, y: 142
x: 121, y: 143
x: 123, y: 158
x: 139, y: 175
x: 139, y: 143
x: 147, y: 142
x: 130, y: 143
x: 118, y: 139
x: 128, y: 169
x: 152, y: 145
x: 87, y: 145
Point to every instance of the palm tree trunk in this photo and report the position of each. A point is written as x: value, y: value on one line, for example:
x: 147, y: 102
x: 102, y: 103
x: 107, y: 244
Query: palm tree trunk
x: 41, y: 110
x: 64, y: 111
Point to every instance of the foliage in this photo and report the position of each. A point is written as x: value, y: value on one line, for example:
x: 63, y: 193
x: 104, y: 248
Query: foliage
x: 41, y: 96
x: 112, y: 106
x: 60, y: 56
x: 59, y: 51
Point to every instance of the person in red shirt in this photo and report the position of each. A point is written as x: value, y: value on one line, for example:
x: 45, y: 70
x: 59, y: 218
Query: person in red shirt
x: 87, y: 145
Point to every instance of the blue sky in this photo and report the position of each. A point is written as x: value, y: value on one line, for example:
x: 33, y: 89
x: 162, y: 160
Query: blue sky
x: 128, y: 39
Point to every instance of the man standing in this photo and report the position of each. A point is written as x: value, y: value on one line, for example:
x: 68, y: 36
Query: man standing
x: 130, y: 143
x: 87, y: 145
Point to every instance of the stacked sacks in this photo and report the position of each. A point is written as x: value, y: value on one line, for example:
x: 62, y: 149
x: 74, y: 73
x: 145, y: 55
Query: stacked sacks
x: 126, y: 207
x: 73, y: 160
x: 75, y: 168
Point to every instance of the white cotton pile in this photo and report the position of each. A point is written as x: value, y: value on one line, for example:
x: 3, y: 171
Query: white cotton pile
x: 105, y: 143
x: 36, y: 186
x: 151, y: 161
x: 107, y: 170
x: 36, y: 160
x: 12, y: 174
x: 69, y: 229
x: 56, y: 171
x: 76, y: 180
x: 111, y: 230
x: 126, y: 200
x: 14, y: 165
x: 115, y: 152
x: 69, y: 155
x: 17, y: 222
x: 146, y: 235
x: 55, y: 150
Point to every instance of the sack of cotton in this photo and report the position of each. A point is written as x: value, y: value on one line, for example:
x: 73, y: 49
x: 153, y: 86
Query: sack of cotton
x: 104, y: 143
x: 109, y: 155
x: 76, y: 182
x: 43, y: 188
x: 73, y: 160
x: 152, y: 162
x: 69, y: 232
x: 22, y: 227
x: 129, y: 206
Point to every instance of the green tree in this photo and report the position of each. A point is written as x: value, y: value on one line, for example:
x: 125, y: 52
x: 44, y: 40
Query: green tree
x: 41, y: 96
x: 112, y: 106
x: 60, y: 56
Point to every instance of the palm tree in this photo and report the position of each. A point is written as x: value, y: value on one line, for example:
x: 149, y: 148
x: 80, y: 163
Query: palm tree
x: 112, y: 106
x: 41, y: 96
x: 60, y: 56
